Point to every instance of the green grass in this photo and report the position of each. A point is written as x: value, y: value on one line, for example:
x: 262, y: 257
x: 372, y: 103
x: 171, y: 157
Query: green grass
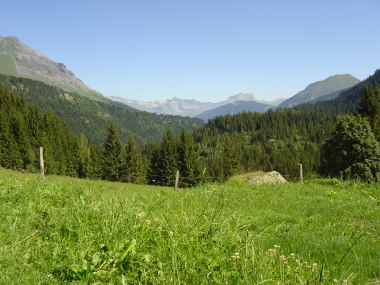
x: 69, y: 230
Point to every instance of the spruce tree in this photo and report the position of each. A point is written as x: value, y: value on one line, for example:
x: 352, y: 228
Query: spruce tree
x: 154, y: 172
x: 168, y: 159
x: 111, y: 158
x: 132, y: 169
x: 230, y: 162
x: 85, y: 159
x: 369, y: 106
x: 188, y: 161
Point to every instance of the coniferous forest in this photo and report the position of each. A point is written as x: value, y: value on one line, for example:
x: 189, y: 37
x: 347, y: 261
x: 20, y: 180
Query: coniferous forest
x: 278, y: 140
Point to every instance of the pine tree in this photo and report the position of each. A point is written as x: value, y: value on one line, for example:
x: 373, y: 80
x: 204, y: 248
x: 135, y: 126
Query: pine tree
x: 168, y: 158
x: 85, y: 159
x: 188, y: 161
x: 369, y: 106
x: 132, y: 169
x: 154, y: 172
x: 111, y: 158
x: 230, y: 162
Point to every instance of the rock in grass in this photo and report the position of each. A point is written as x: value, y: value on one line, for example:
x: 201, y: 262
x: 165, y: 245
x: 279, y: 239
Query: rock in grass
x: 266, y: 178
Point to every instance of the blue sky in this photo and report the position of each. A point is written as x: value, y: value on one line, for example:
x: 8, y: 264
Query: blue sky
x: 206, y: 50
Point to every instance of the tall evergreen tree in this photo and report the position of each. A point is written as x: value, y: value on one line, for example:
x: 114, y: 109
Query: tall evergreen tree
x: 168, y: 159
x: 230, y: 161
x: 369, y: 106
x: 188, y: 161
x: 154, y: 172
x: 85, y: 159
x: 132, y: 169
x: 111, y: 159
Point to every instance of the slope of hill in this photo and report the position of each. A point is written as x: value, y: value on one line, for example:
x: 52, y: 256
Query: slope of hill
x: 321, y: 88
x: 347, y: 100
x: 18, y: 59
x: 184, y: 107
x: 326, y: 97
x: 234, y: 108
x: 91, y: 117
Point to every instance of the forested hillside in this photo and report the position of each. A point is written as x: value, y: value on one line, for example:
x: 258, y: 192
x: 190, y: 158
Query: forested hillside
x: 92, y: 118
x: 234, y: 108
x: 277, y: 140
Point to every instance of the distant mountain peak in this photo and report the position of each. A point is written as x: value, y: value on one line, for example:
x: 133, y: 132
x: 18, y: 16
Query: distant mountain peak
x: 241, y: 97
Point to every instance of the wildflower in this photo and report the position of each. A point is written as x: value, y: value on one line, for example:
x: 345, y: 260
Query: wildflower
x: 148, y: 222
x: 235, y: 256
x: 140, y: 215
x: 282, y: 257
x: 314, y: 266
x: 271, y: 251
x: 171, y: 233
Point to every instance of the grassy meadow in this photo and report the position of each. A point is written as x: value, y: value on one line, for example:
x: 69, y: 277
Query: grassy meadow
x: 63, y: 230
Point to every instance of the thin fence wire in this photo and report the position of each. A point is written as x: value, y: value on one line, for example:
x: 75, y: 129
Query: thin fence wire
x: 148, y: 177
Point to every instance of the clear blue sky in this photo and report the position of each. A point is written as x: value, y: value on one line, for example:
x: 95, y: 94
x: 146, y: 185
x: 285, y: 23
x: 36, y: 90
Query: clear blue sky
x: 207, y: 50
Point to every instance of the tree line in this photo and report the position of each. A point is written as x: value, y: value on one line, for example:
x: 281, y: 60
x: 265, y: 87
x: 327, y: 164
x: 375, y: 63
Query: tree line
x: 23, y: 129
x: 275, y: 140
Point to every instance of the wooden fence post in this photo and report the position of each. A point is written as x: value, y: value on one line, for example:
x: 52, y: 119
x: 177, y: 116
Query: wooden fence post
x: 42, y: 166
x: 301, y: 172
x: 203, y: 174
x: 176, y: 180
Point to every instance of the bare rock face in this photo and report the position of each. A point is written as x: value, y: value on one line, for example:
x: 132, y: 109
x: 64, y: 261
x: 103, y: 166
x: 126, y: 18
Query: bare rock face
x: 272, y: 177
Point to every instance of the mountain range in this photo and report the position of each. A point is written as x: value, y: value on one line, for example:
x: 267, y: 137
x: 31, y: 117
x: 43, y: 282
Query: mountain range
x: 322, y: 90
x: 188, y: 107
